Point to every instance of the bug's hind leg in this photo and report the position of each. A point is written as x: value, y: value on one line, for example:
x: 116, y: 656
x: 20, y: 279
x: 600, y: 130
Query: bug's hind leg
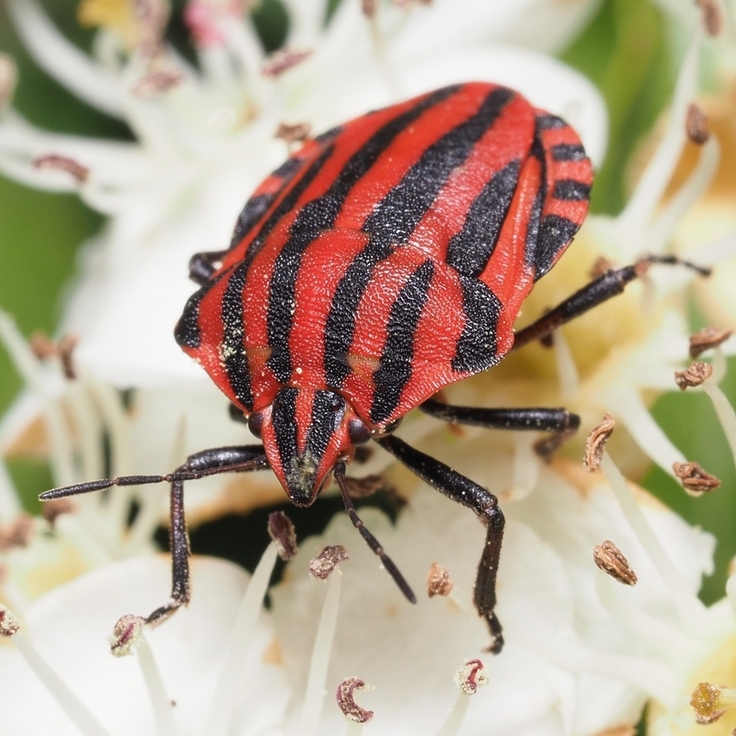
x: 605, y: 287
x: 463, y: 490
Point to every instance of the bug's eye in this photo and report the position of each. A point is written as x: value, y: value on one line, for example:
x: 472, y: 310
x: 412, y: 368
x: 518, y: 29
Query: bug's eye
x: 357, y: 431
x: 255, y: 424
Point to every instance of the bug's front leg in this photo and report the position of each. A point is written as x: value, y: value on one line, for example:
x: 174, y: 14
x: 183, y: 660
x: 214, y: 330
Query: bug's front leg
x: 463, y: 490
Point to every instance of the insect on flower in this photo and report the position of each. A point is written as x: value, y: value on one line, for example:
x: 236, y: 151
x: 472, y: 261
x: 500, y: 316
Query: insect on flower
x: 383, y: 260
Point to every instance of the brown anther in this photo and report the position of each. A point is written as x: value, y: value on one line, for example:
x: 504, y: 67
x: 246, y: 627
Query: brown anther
x: 471, y: 676
x: 602, y: 265
x: 712, y: 16
x: 438, y: 581
x: 42, y: 346
x: 693, y: 376
x: 9, y: 623
x: 66, y: 347
x: 63, y: 163
x: 609, y: 558
x: 696, y: 124
x: 369, y: 8
x: 707, y: 338
x: 52, y: 510
x: 596, y: 442
x: 326, y: 561
x: 8, y: 79
x: 282, y: 531
x: 694, y: 478
x: 156, y: 81
x: 706, y: 702
x: 295, y: 133
x: 345, y: 696
x: 17, y: 534
x: 283, y: 60
x: 126, y: 633
x: 152, y: 17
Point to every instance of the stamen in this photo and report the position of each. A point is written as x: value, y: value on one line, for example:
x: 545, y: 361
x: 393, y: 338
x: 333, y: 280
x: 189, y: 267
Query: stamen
x: 438, y: 581
x: 688, y: 606
x: 369, y: 8
x: 227, y: 690
x: 725, y: 413
x: 707, y: 338
x: 156, y: 82
x: 345, y: 696
x: 161, y: 702
x: 52, y: 510
x: 63, y: 163
x: 596, y: 441
x: 8, y: 79
x: 566, y: 369
x: 694, y: 479
x: 693, y: 376
x: 282, y: 531
x: 315, y: 692
x: 74, y: 708
x: 10, y: 505
x: 696, y: 124
x: 609, y: 558
x: 468, y: 678
x: 710, y: 702
x: 659, y: 171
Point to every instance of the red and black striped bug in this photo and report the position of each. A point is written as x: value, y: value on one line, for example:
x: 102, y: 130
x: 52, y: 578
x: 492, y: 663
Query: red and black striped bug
x: 383, y: 260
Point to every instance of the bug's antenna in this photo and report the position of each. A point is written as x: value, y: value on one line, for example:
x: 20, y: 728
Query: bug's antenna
x: 372, y: 542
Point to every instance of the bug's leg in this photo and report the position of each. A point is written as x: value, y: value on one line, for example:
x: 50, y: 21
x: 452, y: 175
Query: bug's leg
x: 532, y: 418
x: 605, y: 287
x: 463, y: 490
x: 372, y: 542
x: 200, y: 465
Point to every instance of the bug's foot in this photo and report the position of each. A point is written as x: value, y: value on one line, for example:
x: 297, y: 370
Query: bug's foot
x: 494, y: 626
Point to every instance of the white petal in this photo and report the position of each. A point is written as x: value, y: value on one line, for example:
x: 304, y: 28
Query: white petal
x: 70, y: 628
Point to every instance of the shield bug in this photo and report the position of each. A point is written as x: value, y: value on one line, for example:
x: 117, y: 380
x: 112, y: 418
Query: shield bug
x: 383, y: 260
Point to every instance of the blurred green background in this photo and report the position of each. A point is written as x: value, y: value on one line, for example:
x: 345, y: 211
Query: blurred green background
x: 626, y: 51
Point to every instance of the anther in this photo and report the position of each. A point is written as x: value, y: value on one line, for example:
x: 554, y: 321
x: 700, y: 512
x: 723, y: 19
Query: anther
x: 345, y: 696
x: 694, y: 478
x: 609, y: 558
x: 710, y: 702
x: 282, y: 531
x: 707, y: 338
x: 694, y: 375
x: 63, y: 163
x: 438, y: 581
x: 711, y: 16
x: 283, y: 60
x: 9, y: 623
x: 52, y: 510
x: 17, y: 534
x: 596, y: 442
x: 696, y: 124
x: 126, y: 634
x: 295, y: 133
x: 472, y: 675
x: 326, y: 561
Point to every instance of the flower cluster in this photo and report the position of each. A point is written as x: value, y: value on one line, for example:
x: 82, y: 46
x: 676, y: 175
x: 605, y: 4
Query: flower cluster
x: 583, y: 654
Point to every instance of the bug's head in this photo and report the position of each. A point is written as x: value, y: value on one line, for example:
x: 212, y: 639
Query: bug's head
x: 305, y: 432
